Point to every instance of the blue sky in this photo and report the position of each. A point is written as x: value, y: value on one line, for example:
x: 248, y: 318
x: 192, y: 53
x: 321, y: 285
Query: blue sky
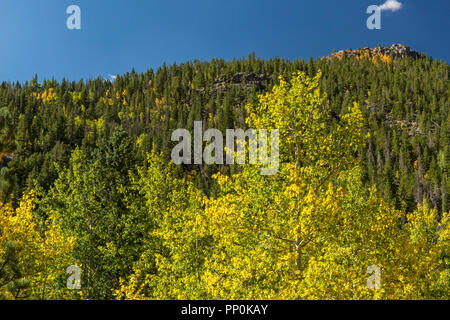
x: 117, y: 35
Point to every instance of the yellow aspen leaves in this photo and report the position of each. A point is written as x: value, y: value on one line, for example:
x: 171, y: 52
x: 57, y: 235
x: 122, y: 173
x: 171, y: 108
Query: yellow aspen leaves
x: 43, y: 251
x: 46, y: 96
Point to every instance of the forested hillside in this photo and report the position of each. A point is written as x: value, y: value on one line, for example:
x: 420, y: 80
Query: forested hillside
x: 87, y: 164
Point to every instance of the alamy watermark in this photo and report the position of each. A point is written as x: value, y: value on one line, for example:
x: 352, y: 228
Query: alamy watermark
x: 374, y: 21
x: 74, y: 20
x: 374, y: 281
x: 214, y: 151
x: 74, y: 281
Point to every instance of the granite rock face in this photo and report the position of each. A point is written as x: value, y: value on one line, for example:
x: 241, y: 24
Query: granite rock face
x: 396, y: 50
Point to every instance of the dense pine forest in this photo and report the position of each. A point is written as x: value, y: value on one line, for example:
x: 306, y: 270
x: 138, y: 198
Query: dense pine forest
x: 86, y: 179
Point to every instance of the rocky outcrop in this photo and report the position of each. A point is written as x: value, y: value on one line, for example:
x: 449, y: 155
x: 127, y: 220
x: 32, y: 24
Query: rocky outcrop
x: 5, y: 159
x: 396, y: 50
x: 247, y: 80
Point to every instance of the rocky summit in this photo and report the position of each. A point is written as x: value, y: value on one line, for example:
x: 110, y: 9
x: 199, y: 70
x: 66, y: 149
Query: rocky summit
x: 396, y: 50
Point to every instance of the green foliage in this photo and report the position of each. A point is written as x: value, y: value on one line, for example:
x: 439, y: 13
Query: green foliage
x: 12, y: 283
x: 90, y: 199
x: 404, y: 102
x: 363, y: 181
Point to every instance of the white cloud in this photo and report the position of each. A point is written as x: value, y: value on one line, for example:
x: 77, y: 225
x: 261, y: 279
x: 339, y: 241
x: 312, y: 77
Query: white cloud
x: 112, y: 77
x: 392, y: 5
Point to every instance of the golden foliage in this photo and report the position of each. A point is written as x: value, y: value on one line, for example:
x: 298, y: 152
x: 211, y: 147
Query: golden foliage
x: 44, y: 252
x: 46, y: 96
